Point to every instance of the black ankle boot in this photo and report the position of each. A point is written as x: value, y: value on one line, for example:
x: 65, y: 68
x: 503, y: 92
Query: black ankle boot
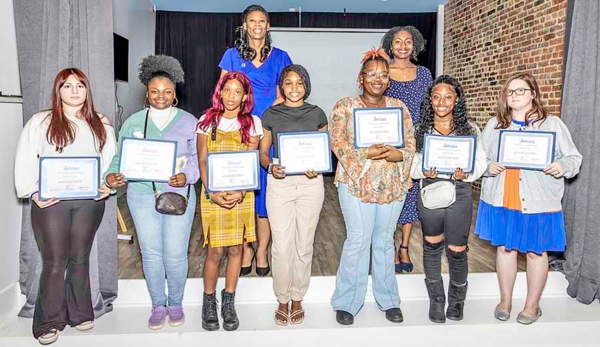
x: 437, y: 300
x: 210, y: 317
x: 456, y: 301
x: 230, y: 318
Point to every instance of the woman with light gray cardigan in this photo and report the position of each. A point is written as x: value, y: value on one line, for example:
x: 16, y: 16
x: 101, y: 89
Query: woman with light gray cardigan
x: 520, y: 209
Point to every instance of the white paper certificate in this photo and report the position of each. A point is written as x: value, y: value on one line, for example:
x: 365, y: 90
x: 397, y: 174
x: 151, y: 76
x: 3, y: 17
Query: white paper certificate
x: 147, y: 160
x: 69, y: 178
x: 232, y: 171
x: 303, y: 151
x: 378, y: 126
x: 447, y: 153
x: 529, y: 150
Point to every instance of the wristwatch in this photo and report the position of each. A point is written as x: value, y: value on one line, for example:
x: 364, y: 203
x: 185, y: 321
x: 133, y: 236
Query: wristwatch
x: 270, y: 168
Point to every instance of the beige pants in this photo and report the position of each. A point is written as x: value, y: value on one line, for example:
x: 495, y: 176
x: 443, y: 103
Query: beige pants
x: 294, y: 204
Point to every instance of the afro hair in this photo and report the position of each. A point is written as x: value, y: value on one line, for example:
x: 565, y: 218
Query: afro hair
x: 160, y: 65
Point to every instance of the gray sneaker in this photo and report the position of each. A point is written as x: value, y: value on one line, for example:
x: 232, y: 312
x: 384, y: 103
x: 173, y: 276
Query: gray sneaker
x: 157, y: 319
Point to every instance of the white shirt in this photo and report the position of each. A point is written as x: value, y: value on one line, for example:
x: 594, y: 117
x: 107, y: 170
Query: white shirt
x: 227, y: 125
x: 33, y: 144
x: 161, y: 118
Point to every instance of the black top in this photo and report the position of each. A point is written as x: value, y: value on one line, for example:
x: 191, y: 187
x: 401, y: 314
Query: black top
x: 284, y: 119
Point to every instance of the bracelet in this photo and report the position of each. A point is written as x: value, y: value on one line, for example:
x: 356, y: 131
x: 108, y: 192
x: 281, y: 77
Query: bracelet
x: 208, y: 197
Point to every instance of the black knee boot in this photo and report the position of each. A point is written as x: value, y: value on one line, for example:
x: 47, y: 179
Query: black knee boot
x: 432, y: 264
x: 210, y: 318
x: 457, y: 292
x: 230, y: 318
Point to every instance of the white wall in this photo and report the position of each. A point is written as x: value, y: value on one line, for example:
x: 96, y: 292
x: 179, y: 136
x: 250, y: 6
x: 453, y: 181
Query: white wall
x: 134, y: 20
x: 11, y: 115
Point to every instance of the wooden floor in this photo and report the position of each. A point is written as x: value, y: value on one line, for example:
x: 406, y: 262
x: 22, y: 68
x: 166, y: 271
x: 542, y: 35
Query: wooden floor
x: 329, y: 239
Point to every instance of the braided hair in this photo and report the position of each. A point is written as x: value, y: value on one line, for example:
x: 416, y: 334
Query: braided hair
x: 461, y: 126
x: 241, y: 37
x: 301, y: 71
x: 418, y: 40
x: 160, y: 66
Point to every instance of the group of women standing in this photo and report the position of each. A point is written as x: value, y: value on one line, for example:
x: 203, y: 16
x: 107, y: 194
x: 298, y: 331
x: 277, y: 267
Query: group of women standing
x: 260, y: 94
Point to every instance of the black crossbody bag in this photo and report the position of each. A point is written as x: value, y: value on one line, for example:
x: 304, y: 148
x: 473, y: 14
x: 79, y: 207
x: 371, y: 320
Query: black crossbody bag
x: 170, y: 203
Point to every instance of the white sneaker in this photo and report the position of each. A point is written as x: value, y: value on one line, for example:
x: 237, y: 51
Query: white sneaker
x: 85, y: 326
x: 49, y: 337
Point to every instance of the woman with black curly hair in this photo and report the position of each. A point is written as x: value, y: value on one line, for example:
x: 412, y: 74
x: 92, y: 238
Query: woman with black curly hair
x: 444, y: 112
x: 408, y: 83
x: 262, y: 63
x: 163, y: 238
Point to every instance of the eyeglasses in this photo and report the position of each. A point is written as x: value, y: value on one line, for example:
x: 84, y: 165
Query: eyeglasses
x: 372, y: 75
x: 518, y: 91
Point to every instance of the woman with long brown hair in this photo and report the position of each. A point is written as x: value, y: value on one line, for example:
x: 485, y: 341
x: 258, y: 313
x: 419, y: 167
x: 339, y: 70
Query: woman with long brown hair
x: 64, y: 230
x: 520, y: 209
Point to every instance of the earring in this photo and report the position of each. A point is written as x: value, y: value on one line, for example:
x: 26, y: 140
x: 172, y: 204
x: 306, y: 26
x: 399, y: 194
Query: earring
x: 176, y: 102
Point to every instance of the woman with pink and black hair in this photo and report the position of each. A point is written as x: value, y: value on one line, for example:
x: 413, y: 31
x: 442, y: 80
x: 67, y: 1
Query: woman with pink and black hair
x: 227, y: 217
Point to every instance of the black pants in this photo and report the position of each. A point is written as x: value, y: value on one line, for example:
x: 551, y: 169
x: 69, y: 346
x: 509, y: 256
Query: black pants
x: 64, y: 233
x: 454, y: 222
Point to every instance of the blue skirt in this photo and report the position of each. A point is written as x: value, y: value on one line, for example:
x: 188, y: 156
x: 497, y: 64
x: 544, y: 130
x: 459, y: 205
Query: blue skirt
x: 537, y: 233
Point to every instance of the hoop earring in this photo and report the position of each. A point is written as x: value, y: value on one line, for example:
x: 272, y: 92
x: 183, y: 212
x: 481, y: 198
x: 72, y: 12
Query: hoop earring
x: 176, y: 102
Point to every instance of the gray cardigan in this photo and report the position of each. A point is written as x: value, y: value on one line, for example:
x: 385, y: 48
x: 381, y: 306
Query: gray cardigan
x: 539, y: 192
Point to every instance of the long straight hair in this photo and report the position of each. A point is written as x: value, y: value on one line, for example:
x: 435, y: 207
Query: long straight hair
x: 213, y: 115
x: 504, y: 112
x: 60, y: 131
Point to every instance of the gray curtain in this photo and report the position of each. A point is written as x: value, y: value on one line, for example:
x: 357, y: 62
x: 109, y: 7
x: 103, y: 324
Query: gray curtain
x: 581, y: 102
x: 52, y: 35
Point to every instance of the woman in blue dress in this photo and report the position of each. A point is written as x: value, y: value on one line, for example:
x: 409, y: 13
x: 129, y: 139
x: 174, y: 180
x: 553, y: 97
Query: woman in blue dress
x: 254, y: 56
x: 408, y: 83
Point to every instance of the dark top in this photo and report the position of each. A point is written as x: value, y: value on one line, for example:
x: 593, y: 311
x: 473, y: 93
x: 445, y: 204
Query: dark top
x: 284, y: 119
x: 411, y: 93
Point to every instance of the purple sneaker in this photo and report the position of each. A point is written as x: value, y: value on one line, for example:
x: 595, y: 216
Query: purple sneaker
x: 176, y: 316
x: 157, y: 320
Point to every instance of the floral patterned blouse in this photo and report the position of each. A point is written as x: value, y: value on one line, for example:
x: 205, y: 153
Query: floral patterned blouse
x: 374, y: 181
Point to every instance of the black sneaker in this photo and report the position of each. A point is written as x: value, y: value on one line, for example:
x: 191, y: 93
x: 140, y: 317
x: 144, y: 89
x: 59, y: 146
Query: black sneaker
x: 394, y: 315
x: 344, y: 318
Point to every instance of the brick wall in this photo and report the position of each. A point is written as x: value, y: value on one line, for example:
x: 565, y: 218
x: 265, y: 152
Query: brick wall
x: 485, y: 41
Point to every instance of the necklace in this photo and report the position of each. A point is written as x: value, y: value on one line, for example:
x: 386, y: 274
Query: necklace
x: 371, y: 105
x: 404, y: 70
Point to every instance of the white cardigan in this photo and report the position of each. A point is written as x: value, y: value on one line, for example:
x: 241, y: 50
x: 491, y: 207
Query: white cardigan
x: 33, y: 144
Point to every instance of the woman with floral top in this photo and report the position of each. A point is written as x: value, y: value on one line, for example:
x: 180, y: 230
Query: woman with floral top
x: 372, y: 184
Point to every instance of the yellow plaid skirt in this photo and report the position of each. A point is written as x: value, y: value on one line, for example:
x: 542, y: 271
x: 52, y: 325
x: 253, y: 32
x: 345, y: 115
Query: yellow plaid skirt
x: 223, y: 227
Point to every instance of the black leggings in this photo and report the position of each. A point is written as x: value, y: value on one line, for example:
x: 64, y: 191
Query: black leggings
x: 64, y: 233
x: 454, y: 222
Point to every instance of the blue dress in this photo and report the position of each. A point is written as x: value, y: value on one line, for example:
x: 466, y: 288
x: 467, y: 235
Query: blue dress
x: 411, y: 93
x: 264, y: 80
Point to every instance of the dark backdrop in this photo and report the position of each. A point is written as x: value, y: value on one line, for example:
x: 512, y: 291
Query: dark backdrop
x: 198, y: 41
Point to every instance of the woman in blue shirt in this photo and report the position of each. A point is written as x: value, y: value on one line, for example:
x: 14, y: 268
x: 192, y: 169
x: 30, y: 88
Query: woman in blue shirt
x: 254, y: 56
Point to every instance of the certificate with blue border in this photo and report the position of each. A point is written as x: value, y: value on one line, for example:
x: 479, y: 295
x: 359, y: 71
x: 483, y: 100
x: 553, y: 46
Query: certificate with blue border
x: 69, y: 178
x: 528, y: 150
x: 232, y: 171
x: 378, y: 126
x: 447, y: 153
x: 147, y: 160
x: 302, y: 151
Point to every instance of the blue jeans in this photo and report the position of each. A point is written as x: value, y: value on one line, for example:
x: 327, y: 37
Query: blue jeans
x: 164, y: 241
x: 368, y: 225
